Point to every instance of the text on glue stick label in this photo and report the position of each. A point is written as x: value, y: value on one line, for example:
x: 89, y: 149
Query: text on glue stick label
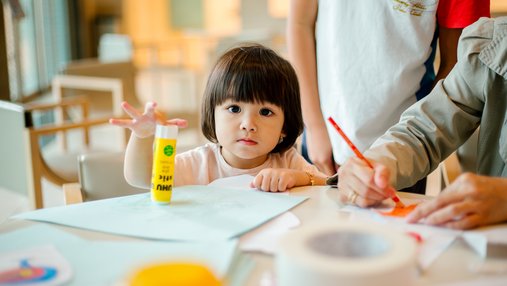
x: 163, y: 170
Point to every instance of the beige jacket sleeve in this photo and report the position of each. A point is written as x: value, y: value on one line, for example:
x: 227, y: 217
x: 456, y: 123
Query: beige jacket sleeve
x: 434, y: 127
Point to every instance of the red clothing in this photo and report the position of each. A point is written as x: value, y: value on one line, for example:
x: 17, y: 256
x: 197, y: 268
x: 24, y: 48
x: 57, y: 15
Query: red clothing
x: 461, y: 13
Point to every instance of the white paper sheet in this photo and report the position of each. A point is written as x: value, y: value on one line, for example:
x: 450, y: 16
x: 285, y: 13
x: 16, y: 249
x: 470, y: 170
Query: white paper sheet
x: 234, y: 182
x: 265, y: 238
x: 195, y: 213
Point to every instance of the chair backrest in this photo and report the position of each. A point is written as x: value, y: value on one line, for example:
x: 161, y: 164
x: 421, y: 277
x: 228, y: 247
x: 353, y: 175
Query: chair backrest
x: 101, y: 176
x: 125, y: 71
x: 22, y: 164
x: 16, y: 172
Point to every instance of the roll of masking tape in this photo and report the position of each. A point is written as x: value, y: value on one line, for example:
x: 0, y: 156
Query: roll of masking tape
x: 345, y: 254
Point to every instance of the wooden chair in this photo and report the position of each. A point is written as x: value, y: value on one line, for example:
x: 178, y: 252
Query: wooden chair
x: 446, y: 172
x: 100, y: 177
x: 462, y: 160
x: 23, y: 163
x: 451, y: 169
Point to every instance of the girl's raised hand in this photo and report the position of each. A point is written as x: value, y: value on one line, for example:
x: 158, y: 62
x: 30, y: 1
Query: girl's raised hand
x: 143, y: 124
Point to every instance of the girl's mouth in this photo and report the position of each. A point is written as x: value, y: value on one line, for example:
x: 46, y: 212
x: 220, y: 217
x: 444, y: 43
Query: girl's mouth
x: 247, y: 141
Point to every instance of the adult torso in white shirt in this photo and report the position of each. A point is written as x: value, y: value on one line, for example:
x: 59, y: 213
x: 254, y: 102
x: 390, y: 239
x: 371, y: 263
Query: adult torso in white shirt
x: 370, y: 56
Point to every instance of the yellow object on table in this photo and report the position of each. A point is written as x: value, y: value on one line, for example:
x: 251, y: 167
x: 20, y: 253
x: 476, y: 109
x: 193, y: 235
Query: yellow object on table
x: 177, y: 274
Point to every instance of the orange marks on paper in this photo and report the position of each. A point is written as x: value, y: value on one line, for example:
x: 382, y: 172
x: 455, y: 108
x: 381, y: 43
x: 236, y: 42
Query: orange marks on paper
x: 418, y: 238
x: 400, y: 211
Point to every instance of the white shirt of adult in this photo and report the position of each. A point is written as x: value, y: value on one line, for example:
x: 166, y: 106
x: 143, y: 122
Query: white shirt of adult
x: 367, y: 92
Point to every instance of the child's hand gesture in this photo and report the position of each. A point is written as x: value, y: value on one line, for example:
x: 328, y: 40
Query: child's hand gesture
x: 143, y: 124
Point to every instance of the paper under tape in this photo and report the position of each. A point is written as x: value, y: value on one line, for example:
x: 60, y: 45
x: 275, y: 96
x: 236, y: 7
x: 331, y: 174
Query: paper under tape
x: 345, y: 254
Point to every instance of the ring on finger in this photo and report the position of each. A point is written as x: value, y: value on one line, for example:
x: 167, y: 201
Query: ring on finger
x: 351, y: 198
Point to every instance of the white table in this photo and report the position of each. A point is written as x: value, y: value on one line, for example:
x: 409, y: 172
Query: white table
x: 451, y: 266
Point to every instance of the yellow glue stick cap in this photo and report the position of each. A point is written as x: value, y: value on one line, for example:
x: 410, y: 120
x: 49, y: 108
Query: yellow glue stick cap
x: 177, y: 274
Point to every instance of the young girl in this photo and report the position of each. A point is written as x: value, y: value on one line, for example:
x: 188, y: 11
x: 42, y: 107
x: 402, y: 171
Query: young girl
x: 251, y: 113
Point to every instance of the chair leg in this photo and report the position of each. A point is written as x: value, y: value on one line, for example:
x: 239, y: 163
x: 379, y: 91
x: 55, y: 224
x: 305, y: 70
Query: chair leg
x: 36, y: 197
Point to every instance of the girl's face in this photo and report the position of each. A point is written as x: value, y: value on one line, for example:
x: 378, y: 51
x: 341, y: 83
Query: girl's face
x: 247, y: 132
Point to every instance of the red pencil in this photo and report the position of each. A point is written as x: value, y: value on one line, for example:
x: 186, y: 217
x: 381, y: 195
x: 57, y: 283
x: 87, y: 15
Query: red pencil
x: 356, y: 151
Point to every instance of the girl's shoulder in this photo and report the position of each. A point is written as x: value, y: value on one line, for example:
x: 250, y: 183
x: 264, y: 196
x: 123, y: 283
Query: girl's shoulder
x: 293, y: 159
x: 204, y: 151
x: 287, y: 154
x: 289, y: 158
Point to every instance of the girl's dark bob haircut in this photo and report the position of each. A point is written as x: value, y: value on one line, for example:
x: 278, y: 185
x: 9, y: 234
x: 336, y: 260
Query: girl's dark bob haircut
x: 253, y: 73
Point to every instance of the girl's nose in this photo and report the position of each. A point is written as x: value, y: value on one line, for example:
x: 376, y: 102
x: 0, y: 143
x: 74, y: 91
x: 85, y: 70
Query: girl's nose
x: 248, y: 124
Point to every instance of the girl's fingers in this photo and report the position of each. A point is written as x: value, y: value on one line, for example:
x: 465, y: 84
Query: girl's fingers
x: 283, y: 184
x: 265, y: 184
x: 130, y: 110
x: 126, y: 123
x: 159, y: 116
x: 182, y: 123
x: 149, y: 109
x: 256, y: 183
x: 273, y: 186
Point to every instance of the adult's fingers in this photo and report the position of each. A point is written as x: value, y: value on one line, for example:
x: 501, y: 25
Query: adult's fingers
x: 381, y: 176
x: 425, y: 209
x: 366, y: 177
x: 366, y: 202
x: 451, y: 212
x: 355, y: 184
x: 467, y: 222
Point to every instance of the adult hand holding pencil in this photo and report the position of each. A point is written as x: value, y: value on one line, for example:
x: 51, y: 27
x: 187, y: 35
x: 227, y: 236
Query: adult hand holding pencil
x: 377, y: 187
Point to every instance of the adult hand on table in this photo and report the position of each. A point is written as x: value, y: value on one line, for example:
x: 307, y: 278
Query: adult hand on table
x: 470, y: 201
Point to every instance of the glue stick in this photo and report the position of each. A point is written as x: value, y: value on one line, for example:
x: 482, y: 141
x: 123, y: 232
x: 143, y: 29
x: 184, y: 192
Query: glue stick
x: 164, y: 151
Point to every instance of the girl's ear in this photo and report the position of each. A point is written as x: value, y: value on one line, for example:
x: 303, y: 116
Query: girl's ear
x: 282, y: 135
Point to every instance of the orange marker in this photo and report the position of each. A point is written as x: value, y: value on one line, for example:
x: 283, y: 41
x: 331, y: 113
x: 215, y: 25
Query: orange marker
x: 395, y: 198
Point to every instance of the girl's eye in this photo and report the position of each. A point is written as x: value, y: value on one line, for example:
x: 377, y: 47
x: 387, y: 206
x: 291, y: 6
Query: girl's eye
x: 265, y: 112
x: 234, y: 109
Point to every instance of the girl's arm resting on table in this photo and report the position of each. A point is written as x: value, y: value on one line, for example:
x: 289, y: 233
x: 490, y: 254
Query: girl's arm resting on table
x: 470, y: 201
x: 279, y: 180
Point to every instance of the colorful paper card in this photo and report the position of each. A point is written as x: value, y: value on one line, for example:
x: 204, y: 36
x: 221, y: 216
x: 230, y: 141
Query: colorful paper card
x: 43, y: 265
x: 104, y: 262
